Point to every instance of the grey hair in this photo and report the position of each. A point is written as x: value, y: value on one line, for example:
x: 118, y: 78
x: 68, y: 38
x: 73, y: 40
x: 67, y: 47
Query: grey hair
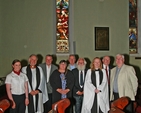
x: 33, y: 55
x: 120, y: 55
x: 83, y: 60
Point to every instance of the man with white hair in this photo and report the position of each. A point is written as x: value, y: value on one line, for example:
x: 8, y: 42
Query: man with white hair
x: 123, y: 81
x: 37, y: 86
x: 79, y: 74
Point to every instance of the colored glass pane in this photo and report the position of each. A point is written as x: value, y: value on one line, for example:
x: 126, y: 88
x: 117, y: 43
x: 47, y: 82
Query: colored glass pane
x: 133, y: 26
x: 62, y: 27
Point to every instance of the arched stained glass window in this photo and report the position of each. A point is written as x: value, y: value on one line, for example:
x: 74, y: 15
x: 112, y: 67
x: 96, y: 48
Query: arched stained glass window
x: 62, y: 27
x: 133, y: 27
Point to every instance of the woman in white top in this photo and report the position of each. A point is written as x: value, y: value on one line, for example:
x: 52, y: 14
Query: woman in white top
x: 95, y: 89
x: 17, y: 88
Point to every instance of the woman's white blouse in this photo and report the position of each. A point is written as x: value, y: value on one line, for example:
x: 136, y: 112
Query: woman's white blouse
x: 17, y: 82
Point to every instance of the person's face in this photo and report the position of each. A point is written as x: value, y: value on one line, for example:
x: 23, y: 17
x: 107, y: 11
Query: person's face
x: 97, y: 63
x: 72, y: 60
x: 80, y: 62
x: 48, y: 60
x: 62, y: 66
x: 17, y: 66
x: 106, y: 60
x: 119, y: 60
x: 33, y: 60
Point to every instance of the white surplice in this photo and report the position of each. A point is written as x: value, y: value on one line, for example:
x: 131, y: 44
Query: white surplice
x: 89, y: 93
x: 43, y: 97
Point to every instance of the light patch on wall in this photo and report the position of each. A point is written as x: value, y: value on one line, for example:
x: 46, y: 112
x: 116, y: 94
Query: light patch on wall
x: 101, y: 0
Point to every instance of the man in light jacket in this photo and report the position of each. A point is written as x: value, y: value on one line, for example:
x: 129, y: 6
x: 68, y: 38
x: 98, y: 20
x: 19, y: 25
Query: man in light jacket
x: 123, y: 81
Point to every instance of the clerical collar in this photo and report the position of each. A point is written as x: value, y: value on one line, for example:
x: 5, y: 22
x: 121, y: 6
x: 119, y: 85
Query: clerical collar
x: 18, y: 73
x: 32, y: 67
x: 97, y: 69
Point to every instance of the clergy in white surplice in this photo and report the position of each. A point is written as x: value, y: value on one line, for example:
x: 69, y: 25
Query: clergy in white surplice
x: 37, y: 86
x: 96, y: 98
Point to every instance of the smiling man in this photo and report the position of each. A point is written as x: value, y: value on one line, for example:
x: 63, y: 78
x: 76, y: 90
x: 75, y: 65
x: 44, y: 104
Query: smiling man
x: 37, y: 86
x: 123, y: 81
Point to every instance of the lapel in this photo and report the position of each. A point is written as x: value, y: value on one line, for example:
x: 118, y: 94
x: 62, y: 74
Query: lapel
x: 77, y: 73
x: 122, y: 69
x: 109, y: 71
x: 113, y: 74
x: 120, y: 72
x: 68, y: 67
x: 51, y: 69
x: 45, y: 70
x: 85, y: 72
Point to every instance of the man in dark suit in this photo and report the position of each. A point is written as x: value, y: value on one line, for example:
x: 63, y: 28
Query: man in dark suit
x: 48, y: 68
x: 107, y: 67
x: 79, y: 75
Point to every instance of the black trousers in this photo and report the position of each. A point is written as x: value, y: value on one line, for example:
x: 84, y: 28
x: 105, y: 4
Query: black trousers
x: 48, y: 104
x: 20, y: 104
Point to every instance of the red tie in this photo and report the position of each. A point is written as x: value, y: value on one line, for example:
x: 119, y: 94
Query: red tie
x: 107, y: 74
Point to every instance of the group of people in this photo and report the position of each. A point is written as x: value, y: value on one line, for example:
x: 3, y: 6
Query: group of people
x: 33, y: 89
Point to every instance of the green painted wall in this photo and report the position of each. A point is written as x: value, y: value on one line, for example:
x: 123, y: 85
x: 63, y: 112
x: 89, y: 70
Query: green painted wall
x: 26, y: 27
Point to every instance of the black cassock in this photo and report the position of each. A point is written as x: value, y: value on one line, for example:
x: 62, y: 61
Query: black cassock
x: 93, y: 78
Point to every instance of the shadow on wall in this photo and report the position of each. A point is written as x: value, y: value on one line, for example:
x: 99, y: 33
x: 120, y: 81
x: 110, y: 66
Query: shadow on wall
x: 137, y: 68
x: 54, y: 60
x: 112, y: 59
x: 24, y: 62
x: 88, y: 62
x: 40, y: 59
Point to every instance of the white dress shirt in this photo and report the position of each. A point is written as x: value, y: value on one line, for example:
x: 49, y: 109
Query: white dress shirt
x: 48, y: 68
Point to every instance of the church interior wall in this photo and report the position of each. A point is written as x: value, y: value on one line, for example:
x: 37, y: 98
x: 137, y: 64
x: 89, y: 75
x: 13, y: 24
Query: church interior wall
x: 27, y: 27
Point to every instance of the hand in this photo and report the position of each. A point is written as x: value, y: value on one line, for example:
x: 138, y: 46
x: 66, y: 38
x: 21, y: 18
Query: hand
x: 63, y: 91
x: 59, y: 90
x: 26, y: 101
x: 13, y: 105
x: 66, y: 91
x: 97, y: 91
x: 79, y: 93
x: 34, y: 92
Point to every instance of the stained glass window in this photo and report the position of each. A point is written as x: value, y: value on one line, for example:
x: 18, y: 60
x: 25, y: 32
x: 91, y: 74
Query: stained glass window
x: 62, y: 27
x: 133, y: 27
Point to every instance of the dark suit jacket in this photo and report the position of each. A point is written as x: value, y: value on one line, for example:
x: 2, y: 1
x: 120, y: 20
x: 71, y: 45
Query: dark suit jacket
x: 76, y: 83
x: 53, y: 67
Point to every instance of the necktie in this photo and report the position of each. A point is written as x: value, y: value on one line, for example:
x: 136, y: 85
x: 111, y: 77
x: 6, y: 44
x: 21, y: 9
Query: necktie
x: 107, y: 74
x: 81, y: 78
